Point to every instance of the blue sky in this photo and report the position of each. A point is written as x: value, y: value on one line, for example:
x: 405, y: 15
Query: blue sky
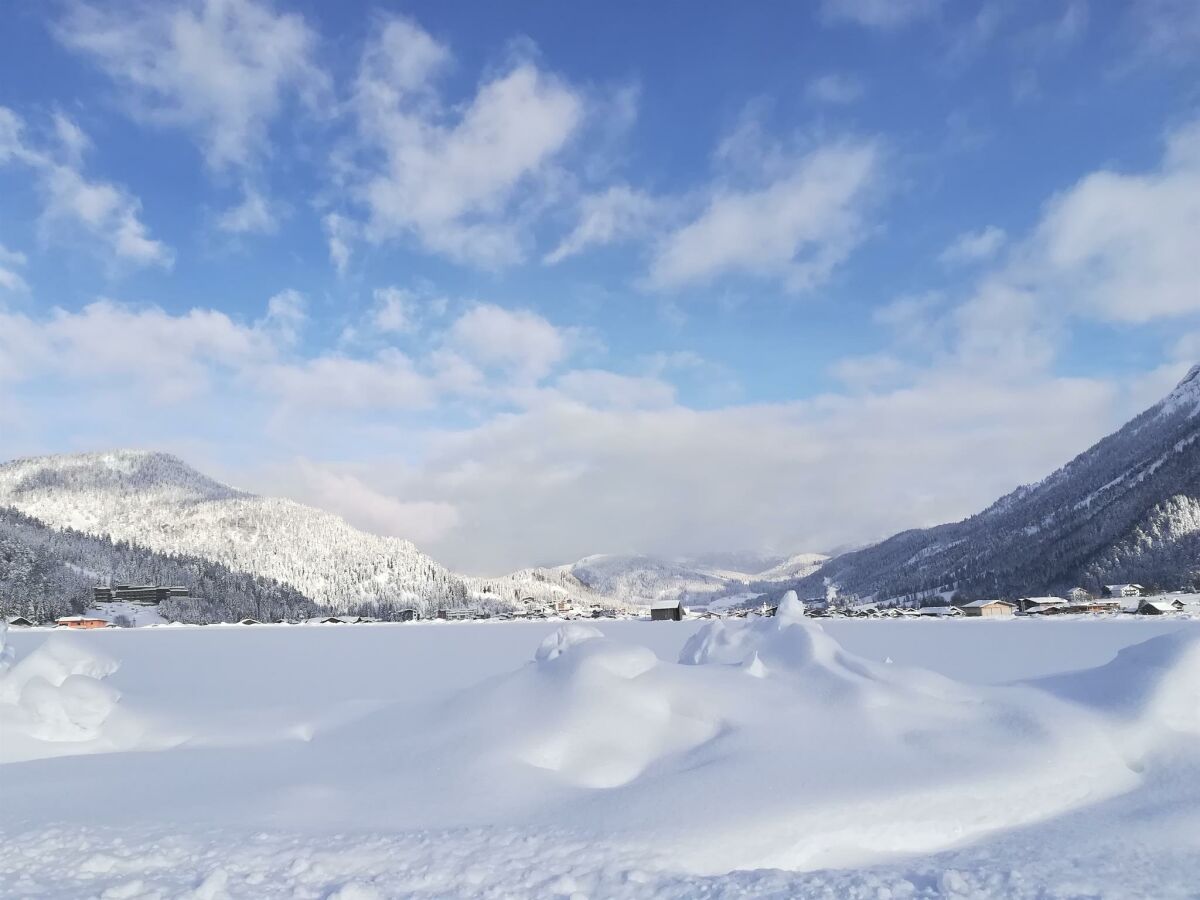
x: 529, y: 281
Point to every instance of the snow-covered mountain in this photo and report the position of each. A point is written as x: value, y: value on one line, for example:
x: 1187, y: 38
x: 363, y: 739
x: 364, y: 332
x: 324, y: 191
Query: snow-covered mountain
x: 798, y: 566
x: 545, y: 587
x: 1126, y: 510
x: 156, y: 501
x: 696, y: 580
x: 46, y: 573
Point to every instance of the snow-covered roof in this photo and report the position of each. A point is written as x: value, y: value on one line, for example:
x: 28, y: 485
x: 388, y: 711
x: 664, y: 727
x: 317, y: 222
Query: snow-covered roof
x: 79, y: 619
x: 977, y: 604
x: 1120, y: 587
x: 1160, y: 605
x: 666, y: 604
x: 1044, y: 601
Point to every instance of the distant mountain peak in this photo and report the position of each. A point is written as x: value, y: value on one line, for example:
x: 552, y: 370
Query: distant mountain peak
x: 1184, y: 393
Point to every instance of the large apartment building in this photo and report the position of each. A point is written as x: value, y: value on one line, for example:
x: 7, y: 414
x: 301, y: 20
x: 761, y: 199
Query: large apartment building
x: 145, y: 594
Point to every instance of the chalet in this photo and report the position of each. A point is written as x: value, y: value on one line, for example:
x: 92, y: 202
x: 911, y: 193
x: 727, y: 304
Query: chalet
x: 1097, y: 605
x: 1122, y: 590
x: 20, y: 622
x: 1078, y: 595
x: 666, y: 611
x: 80, y: 622
x: 1159, y: 607
x: 988, y: 609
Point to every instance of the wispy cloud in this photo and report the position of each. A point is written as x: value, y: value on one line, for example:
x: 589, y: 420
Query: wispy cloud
x: 104, y: 212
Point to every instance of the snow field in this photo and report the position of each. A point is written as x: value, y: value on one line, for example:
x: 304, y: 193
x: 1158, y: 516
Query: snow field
x: 776, y: 757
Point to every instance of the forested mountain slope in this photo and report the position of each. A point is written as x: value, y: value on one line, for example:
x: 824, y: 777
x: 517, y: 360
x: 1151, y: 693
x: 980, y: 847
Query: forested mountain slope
x: 155, y: 501
x: 1126, y: 510
x: 46, y: 573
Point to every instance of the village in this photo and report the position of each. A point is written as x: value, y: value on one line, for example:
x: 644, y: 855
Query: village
x: 116, y: 607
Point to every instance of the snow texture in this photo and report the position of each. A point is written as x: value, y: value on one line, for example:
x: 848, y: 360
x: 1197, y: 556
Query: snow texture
x: 767, y: 757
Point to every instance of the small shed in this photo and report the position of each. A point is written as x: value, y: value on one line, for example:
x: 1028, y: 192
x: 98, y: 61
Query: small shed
x: 988, y: 609
x: 249, y: 621
x: 406, y: 615
x: 80, y: 622
x: 666, y: 611
x: 20, y: 622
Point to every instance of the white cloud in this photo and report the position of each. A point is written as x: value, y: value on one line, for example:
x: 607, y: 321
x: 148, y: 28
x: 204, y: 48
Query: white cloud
x: 974, y: 246
x: 871, y: 372
x: 339, y: 232
x: 102, y: 211
x: 151, y: 353
x: 346, y: 494
x: 252, y: 216
x: 450, y: 174
x: 220, y: 69
x: 1124, y: 247
x: 394, y: 310
x: 10, y: 280
x: 517, y: 341
x: 835, y: 88
x: 343, y: 384
x: 286, y: 315
x: 799, y: 227
x: 599, y: 389
x: 619, y: 212
x: 812, y: 475
x: 878, y: 13
x: 1166, y: 29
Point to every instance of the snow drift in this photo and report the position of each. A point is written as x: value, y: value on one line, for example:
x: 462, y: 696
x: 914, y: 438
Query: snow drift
x: 766, y: 745
x: 54, y: 696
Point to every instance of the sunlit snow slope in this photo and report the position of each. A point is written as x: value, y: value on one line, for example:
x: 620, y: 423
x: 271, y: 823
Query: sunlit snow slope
x: 158, y: 502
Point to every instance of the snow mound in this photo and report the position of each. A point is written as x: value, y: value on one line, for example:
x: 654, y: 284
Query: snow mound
x: 562, y: 640
x: 767, y: 744
x: 597, y: 712
x: 54, y: 696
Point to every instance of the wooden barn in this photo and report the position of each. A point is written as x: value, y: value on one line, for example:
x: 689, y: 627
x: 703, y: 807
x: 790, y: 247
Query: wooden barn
x: 988, y: 609
x: 20, y: 622
x: 666, y: 611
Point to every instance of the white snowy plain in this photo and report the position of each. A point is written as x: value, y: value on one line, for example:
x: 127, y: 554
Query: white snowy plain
x: 768, y: 758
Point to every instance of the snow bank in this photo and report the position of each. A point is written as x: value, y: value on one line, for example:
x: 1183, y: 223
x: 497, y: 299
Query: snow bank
x: 1150, y: 692
x: 55, y: 695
